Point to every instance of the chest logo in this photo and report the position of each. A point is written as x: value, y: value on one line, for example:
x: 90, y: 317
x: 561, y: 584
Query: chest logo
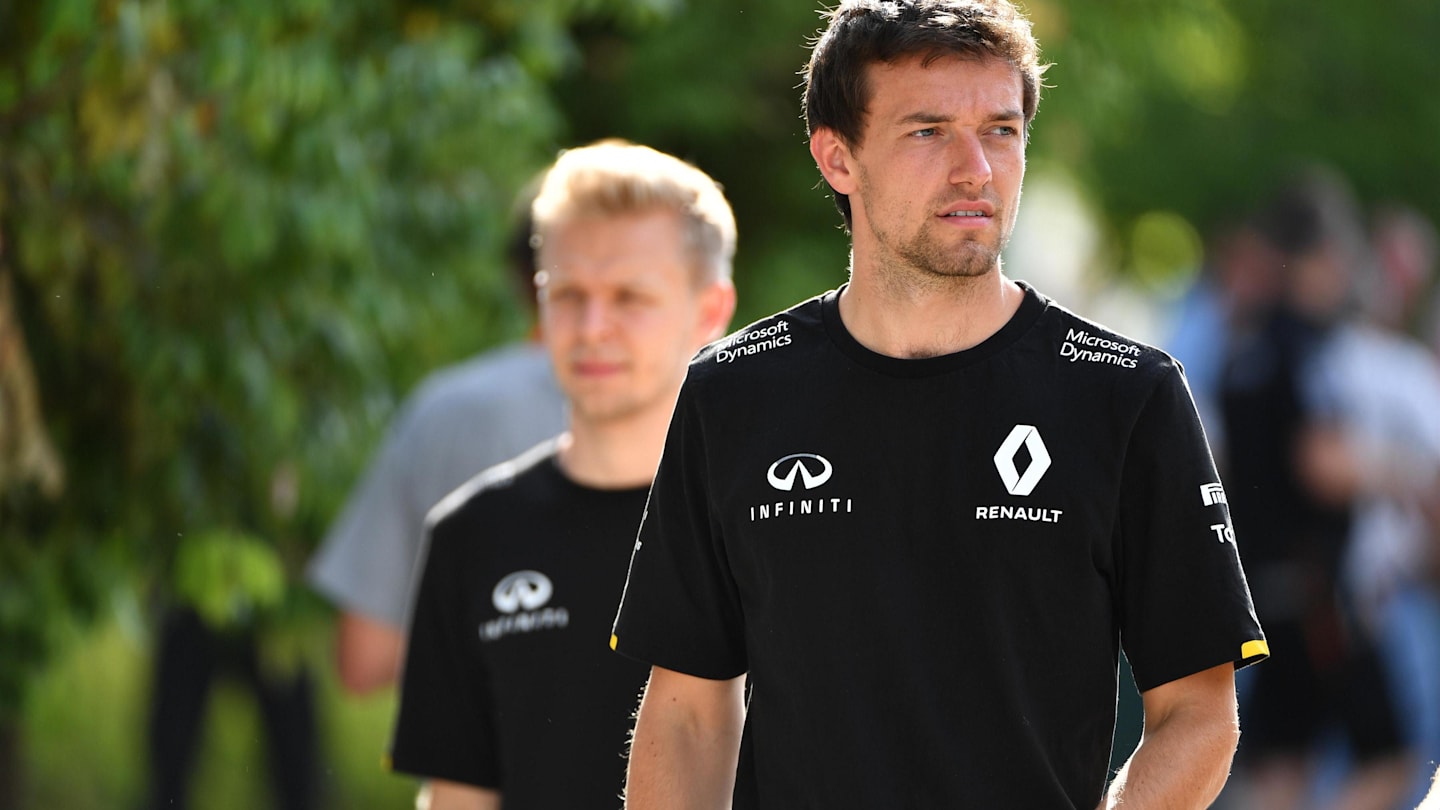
x: 800, y: 464
x: 802, y: 472
x: 523, y: 589
x: 1017, y: 483
x: 523, y: 599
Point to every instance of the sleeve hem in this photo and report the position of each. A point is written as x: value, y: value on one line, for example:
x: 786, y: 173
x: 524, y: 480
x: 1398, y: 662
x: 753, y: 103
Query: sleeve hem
x: 1251, y: 651
x: 449, y: 773
x: 711, y: 670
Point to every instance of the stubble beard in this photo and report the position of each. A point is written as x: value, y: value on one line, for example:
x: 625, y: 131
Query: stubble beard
x: 925, y: 260
x: 971, y: 259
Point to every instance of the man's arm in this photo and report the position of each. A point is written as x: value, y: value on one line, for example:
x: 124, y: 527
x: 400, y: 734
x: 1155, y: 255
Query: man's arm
x: 1432, y: 799
x: 367, y: 653
x: 1191, y: 731
x: 441, y: 795
x: 687, y: 743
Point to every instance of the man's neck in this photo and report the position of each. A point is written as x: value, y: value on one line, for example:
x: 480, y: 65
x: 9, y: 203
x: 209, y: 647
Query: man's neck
x: 616, y: 453
x: 892, y: 316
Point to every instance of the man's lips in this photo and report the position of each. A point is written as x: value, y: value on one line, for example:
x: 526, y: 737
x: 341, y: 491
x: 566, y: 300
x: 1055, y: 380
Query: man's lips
x: 969, y: 209
x: 977, y: 214
x: 597, y: 368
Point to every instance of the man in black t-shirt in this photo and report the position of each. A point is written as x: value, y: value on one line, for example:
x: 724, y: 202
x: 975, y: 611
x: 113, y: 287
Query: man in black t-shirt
x: 508, y: 692
x: 924, y: 513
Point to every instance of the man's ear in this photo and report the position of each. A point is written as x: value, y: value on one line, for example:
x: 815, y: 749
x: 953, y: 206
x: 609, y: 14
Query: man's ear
x: 717, y: 307
x: 833, y: 156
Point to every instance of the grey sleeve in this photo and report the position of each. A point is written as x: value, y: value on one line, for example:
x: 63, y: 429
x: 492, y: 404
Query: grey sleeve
x: 459, y: 422
x: 365, y: 563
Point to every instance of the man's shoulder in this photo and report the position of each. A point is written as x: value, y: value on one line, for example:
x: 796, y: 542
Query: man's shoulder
x: 1094, y: 348
x: 764, y: 346
x: 492, y: 488
x: 501, y: 374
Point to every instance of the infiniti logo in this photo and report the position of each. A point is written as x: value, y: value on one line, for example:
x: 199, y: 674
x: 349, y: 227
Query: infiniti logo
x: 527, y: 589
x: 808, y: 480
x: 1015, y: 482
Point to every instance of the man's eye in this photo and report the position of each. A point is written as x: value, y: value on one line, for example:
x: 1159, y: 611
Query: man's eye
x: 927, y: 132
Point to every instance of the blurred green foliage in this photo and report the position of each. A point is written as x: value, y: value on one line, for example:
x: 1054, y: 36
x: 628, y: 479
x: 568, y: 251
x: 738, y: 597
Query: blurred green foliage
x: 1191, y: 111
x: 238, y: 232
x: 233, y: 229
x: 1202, y: 107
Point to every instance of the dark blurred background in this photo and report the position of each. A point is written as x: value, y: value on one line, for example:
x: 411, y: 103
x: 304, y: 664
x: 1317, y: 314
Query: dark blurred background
x: 234, y: 235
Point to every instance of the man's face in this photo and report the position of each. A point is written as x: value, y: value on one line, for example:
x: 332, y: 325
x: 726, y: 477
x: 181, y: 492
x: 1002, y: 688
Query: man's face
x: 620, y: 313
x: 939, y: 167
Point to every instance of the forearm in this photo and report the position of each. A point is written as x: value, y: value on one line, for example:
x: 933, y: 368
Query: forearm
x: 684, y: 753
x: 367, y: 653
x: 441, y: 795
x: 1183, y: 758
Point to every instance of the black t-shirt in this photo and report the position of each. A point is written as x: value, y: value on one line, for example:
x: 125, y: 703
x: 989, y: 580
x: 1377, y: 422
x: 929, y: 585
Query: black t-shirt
x: 927, y: 567
x: 508, y: 681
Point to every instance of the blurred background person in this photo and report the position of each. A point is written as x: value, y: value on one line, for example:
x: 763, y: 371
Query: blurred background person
x: 1385, y: 461
x: 191, y: 655
x: 1406, y: 248
x: 634, y: 249
x: 459, y: 421
x: 1237, y: 286
x: 1283, y: 409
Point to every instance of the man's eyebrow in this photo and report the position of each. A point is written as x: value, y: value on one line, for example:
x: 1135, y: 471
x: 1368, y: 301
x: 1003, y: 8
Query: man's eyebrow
x: 924, y: 117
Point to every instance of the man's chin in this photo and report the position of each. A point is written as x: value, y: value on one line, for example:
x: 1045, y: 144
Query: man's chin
x: 963, y: 264
x: 599, y: 410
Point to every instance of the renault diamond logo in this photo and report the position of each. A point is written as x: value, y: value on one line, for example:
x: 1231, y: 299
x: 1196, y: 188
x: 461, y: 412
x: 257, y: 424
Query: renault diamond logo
x: 1015, y: 483
x: 804, y: 462
x: 527, y: 589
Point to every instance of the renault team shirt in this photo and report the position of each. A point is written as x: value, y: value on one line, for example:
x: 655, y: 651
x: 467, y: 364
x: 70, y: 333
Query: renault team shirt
x: 928, y: 567
x: 508, y: 683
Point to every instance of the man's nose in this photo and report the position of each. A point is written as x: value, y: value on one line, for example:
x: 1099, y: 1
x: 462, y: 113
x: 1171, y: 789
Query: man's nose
x: 596, y: 319
x: 968, y: 163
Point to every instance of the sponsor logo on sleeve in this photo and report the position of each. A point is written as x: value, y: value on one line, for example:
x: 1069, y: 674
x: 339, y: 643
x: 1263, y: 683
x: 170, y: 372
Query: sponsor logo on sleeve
x: 800, y: 474
x: 1214, y: 495
x: 1080, y: 345
x: 522, y: 599
x: 746, y: 344
x: 1223, y: 532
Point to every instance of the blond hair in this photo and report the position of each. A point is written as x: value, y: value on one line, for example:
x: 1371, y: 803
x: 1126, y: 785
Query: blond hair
x: 615, y: 178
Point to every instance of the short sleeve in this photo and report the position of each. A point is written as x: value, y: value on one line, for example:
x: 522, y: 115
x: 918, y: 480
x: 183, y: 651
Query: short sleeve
x: 1185, y: 605
x: 366, y: 560
x: 680, y: 609
x: 445, y: 726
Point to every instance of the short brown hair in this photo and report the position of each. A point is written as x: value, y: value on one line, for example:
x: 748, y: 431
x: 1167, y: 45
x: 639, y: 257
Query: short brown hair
x: 614, y: 177
x: 863, y: 32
